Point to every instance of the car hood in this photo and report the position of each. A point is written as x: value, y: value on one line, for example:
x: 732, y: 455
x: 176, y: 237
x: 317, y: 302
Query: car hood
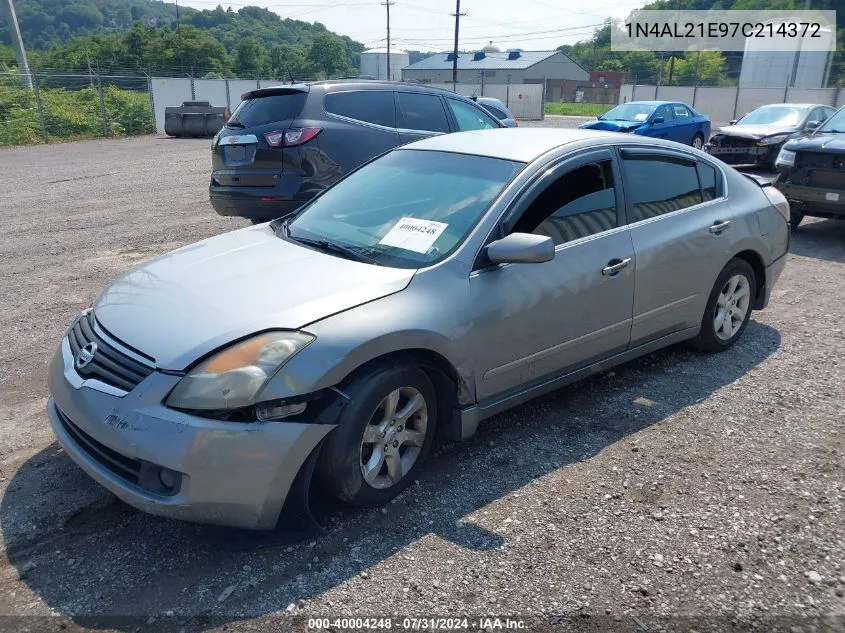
x: 754, y: 131
x: 182, y: 305
x: 832, y: 143
x: 612, y: 126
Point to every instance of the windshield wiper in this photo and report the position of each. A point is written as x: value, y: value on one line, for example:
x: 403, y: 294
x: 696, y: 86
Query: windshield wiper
x: 830, y: 132
x: 331, y: 247
x: 235, y: 124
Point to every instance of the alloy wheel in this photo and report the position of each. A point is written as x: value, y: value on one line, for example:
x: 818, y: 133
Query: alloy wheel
x: 732, y: 307
x: 394, y: 437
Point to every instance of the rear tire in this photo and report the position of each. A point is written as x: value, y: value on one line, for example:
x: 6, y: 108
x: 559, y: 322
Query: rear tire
x: 382, y: 437
x: 258, y: 220
x: 728, y: 308
x: 698, y: 141
x: 795, y: 218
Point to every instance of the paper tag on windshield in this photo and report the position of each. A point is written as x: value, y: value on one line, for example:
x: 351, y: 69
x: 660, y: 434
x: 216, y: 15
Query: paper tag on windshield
x: 831, y: 197
x: 642, y: 116
x: 413, y: 234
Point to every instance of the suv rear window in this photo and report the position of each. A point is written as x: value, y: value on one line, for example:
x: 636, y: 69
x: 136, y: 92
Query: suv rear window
x: 269, y: 109
x: 371, y: 106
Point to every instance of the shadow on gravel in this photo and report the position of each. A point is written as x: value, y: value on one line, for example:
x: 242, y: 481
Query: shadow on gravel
x: 821, y: 239
x: 107, y: 566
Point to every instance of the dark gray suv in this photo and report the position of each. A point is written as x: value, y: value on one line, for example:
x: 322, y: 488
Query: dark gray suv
x: 285, y: 144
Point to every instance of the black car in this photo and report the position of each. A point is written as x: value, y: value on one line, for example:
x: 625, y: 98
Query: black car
x: 757, y: 137
x: 283, y: 145
x: 811, y: 172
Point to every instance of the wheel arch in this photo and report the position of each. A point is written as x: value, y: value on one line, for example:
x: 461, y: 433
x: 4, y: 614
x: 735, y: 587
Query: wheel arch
x: 755, y: 260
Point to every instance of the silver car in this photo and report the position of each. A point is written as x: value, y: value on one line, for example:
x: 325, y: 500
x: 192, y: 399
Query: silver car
x: 432, y: 288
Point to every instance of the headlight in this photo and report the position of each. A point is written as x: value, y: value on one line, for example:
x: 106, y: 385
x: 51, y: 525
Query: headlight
x: 773, y: 140
x: 785, y: 158
x: 232, y: 378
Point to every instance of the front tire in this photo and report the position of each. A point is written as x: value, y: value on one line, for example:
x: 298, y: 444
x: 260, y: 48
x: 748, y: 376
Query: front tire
x: 728, y: 308
x: 795, y: 218
x: 382, y: 438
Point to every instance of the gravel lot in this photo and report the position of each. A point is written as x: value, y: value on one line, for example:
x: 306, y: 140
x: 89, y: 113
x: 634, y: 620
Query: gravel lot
x: 678, y: 492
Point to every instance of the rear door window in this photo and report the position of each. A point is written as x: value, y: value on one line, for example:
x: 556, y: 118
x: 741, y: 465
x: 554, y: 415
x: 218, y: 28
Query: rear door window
x: 469, y: 117
x: 418, y: 111
x: 269, y: 109
x: 370, y: 106
x: 496, y: 112
x: 659, y: 184
x: 681, y: 111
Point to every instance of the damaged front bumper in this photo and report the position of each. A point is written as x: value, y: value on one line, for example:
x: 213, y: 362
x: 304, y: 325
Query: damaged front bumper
x: 746, y: 154
x: 813, y: 200
x: 174, y: 464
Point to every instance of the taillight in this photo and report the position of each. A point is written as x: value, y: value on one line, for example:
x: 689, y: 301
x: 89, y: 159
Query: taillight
x: 291, y: 137
x: 778, y: 201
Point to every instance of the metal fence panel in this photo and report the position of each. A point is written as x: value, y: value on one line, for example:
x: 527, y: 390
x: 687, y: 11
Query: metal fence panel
x: 211, y: 90
x: 168, y: 91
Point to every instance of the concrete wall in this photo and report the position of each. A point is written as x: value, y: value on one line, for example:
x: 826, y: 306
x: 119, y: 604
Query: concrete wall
x: 722, y: 104
x: 524, y: 100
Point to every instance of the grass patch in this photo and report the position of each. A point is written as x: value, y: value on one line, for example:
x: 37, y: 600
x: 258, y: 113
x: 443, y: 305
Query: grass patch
x: 578, y: 109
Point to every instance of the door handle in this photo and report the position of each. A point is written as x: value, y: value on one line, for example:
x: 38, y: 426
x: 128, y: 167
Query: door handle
x: 718, y: 226
x: 614, y: 266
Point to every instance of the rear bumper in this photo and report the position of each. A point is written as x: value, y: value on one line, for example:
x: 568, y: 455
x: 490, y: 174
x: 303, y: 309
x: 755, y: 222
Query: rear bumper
x: 260, y: 205
x: 814, y: 200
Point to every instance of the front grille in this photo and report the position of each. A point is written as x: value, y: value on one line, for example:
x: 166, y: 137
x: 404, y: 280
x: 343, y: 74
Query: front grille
x: 733, y: 141
x: 122, y: 466
x: 109, y: 365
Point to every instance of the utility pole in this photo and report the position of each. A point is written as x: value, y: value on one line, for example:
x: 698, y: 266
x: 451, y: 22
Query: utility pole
x: 457, y: 15
x: 387, y: 4
x: 20, y: 51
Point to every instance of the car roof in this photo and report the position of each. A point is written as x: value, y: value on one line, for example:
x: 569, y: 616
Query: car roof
x: 794, y: 105
x: 522, y: 144
x: 655, y: 103
x: 327, y: 85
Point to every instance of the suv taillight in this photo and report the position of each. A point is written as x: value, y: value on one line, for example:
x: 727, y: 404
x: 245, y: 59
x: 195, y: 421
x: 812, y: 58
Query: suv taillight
x: 291, y: 137
x: 778, y: 201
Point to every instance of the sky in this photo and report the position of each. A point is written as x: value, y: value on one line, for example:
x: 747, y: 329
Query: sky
x: 430, y: 25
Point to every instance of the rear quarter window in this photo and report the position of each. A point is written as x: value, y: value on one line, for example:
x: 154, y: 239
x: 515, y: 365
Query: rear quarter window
x: 269, y: 109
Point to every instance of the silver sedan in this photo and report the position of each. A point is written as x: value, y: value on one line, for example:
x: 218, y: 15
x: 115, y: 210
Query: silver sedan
x: 430, y: 289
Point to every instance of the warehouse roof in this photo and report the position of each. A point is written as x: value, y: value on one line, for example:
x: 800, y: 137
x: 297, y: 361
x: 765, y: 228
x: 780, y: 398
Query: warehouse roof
x: 484, y: 60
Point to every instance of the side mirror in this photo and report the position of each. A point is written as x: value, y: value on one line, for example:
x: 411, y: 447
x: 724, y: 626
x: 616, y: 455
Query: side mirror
x: 732, y: 122
x: 521, y: 248
x: 812, y: 125
x: 657, y: 119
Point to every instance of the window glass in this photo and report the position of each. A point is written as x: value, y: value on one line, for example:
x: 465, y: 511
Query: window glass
x: 582, y: 202
x: 269, y: 109
x: 372, y: 106
x: 660, y: 184
x: 439, y: 195
x: 494, y: 111
x: 709, y: 185
x: 681, y: 111
x: 665, y: 111
x: 469, y: 117
x: 422, y: 112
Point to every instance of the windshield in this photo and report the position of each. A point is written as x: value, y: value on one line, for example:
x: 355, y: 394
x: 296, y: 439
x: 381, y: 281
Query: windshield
x: 774, y: 115
x: 408, y: 209
x: 835, y: 124
x: 629, y: 112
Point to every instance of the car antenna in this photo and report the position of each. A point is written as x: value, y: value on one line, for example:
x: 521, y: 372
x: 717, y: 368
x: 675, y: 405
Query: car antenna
x: 290, y: 75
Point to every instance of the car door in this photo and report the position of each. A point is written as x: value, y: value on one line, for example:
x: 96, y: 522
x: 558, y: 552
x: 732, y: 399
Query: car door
x: 420, y: 115
x: 680, y: 226
x: 360, y: 125
x: 535, y: 321
x: 684, y: 126
x: 663, y: 129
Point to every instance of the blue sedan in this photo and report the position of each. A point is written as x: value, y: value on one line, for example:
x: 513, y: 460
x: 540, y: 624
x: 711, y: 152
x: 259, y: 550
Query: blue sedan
x: 670, y: 120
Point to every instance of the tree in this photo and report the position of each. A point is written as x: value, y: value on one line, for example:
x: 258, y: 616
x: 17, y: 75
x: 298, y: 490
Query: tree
x: 288, y: 61
x: 250, y: 59
x: 327, y: 53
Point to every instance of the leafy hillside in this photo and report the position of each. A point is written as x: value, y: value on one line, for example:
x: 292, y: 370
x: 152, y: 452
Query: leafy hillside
x: 47, y: 22
x: 142, y: 35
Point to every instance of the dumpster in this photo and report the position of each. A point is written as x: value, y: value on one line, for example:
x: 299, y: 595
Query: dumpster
x: 194, y: 118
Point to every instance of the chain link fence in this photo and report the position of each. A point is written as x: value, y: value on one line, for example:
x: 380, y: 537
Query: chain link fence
x: 43, y: 108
